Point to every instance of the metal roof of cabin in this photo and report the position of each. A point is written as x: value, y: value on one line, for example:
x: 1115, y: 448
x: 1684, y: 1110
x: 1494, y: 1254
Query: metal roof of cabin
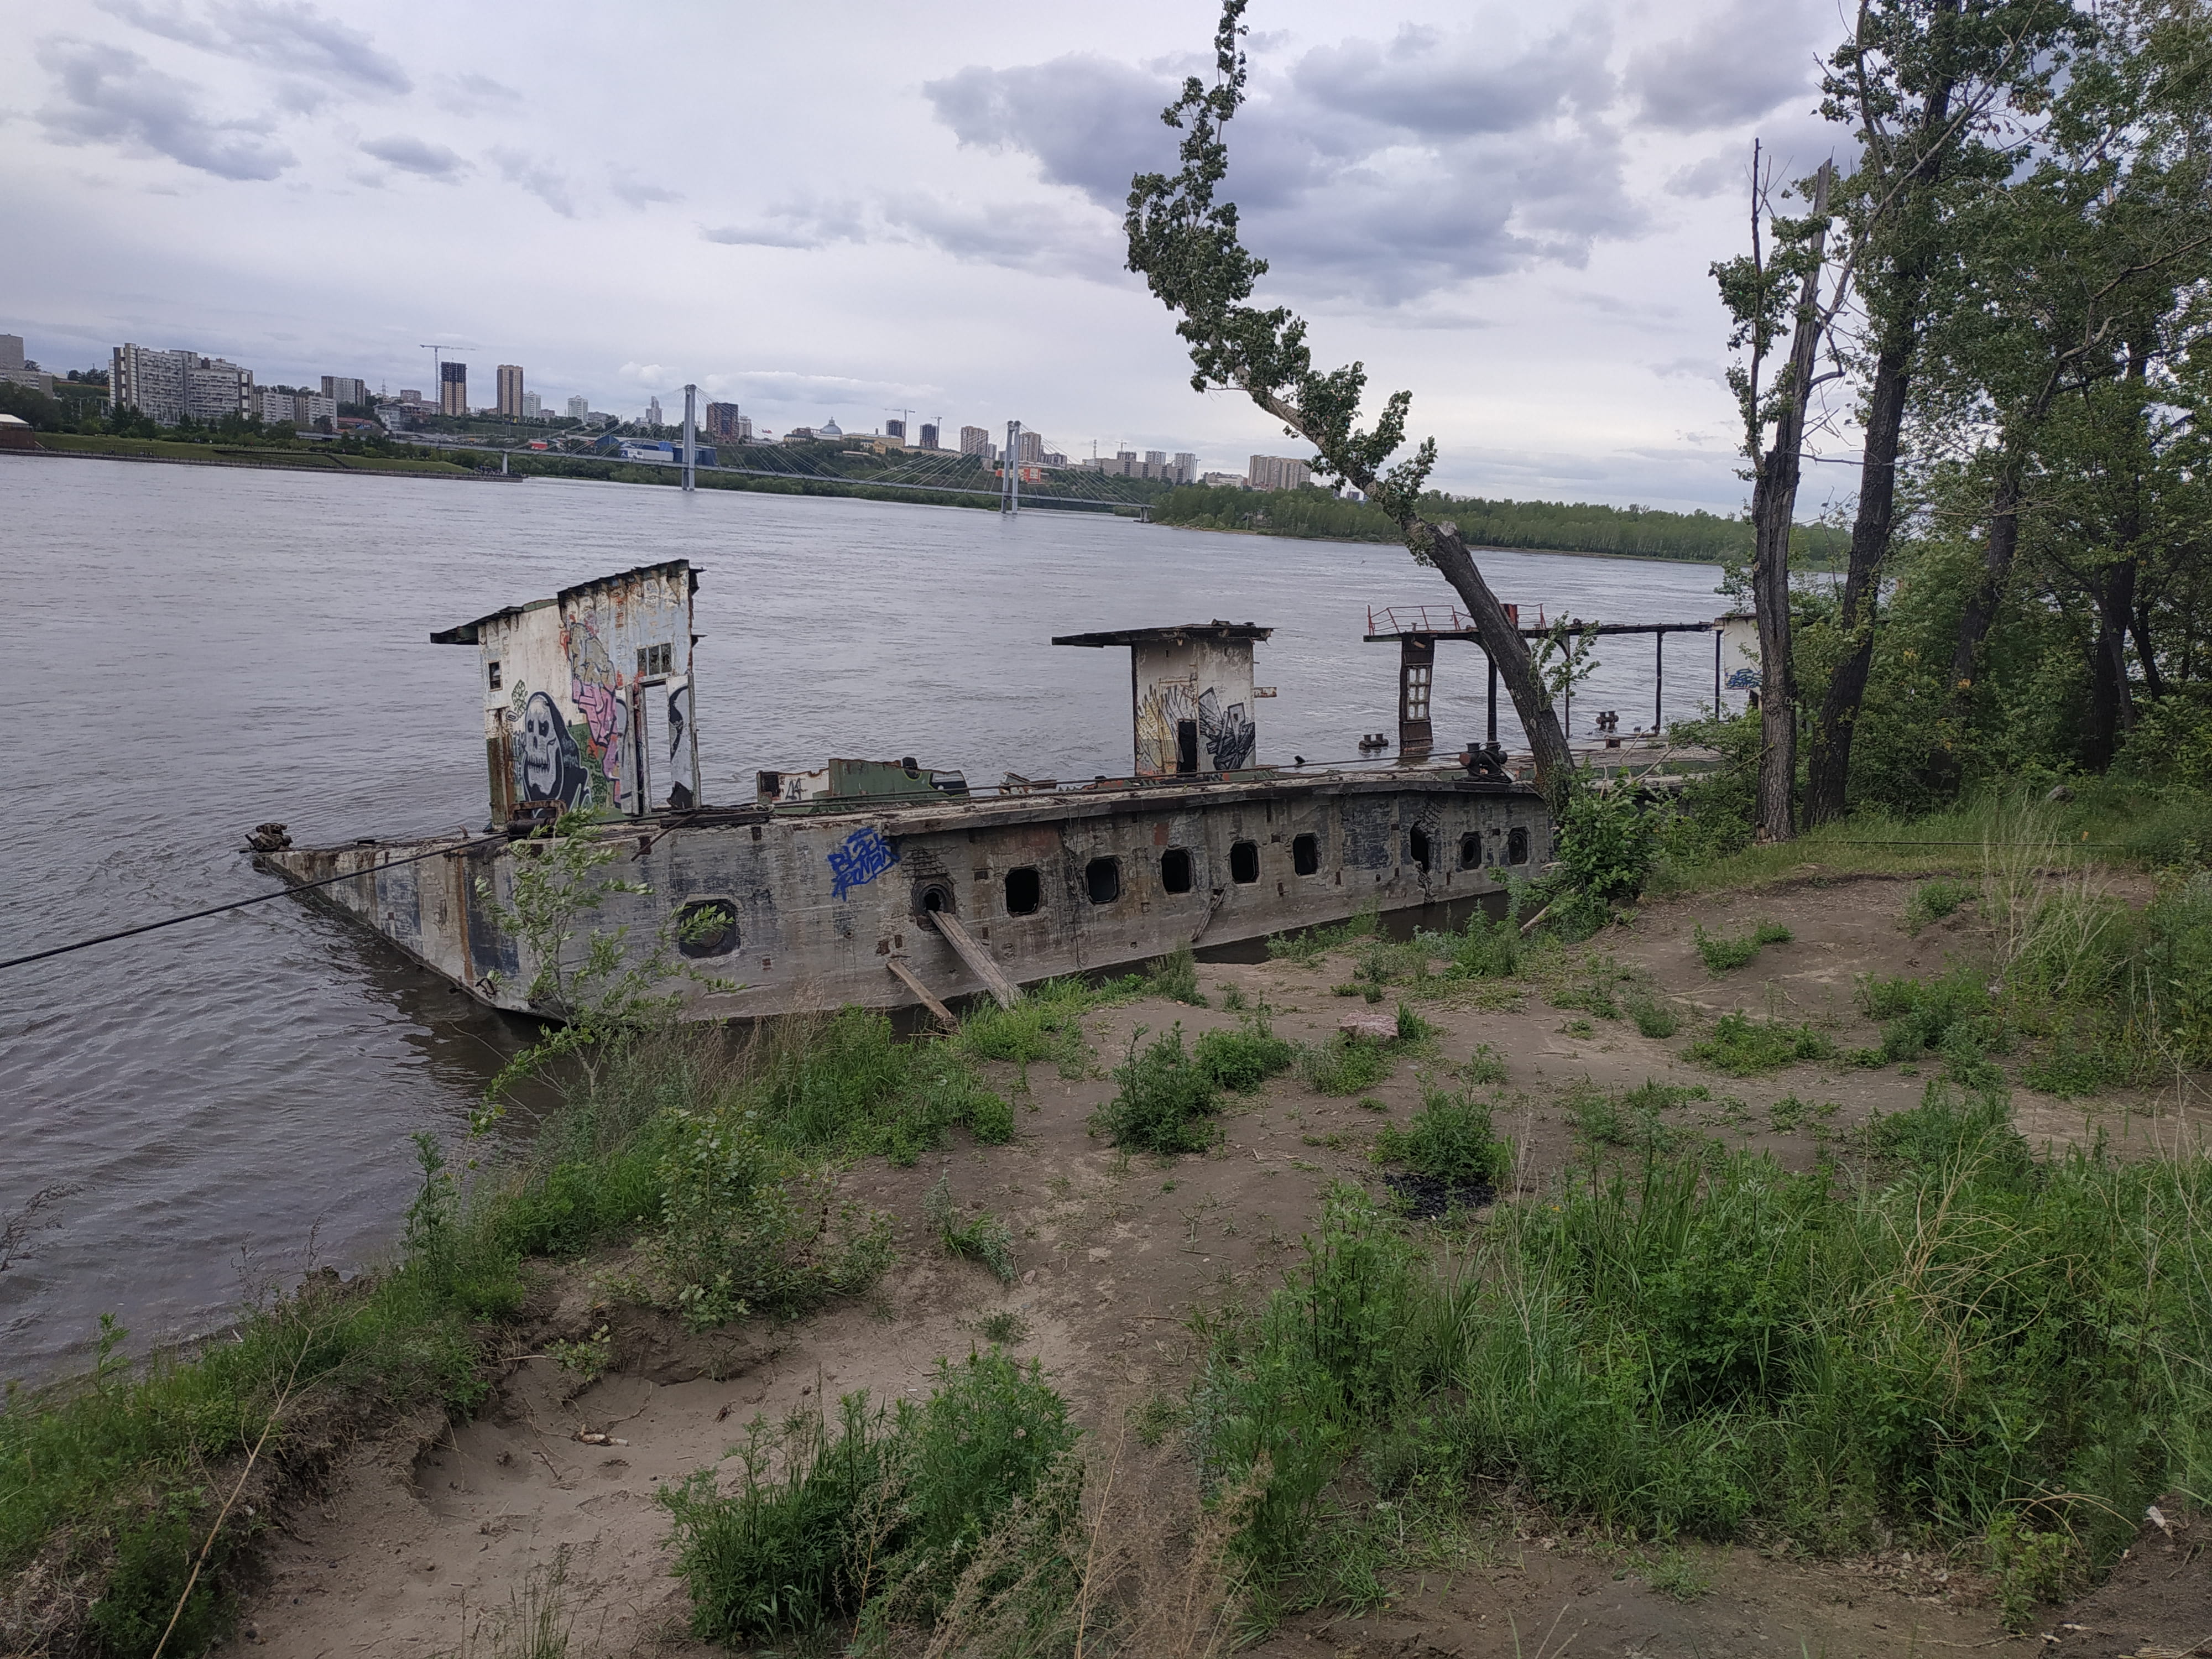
x: 1221, y: 632
x: 468, y: 633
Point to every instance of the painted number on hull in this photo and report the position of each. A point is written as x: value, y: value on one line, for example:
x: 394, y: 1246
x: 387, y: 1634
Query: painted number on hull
x: 864, y: 856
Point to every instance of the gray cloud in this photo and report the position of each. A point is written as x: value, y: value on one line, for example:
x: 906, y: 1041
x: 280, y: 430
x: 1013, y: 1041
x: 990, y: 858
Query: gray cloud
x: 1735, y: 64
x: 281, y: 34
x: 796, y: 224
x: 1022, y: 235
x: 417, y: 155
x: 112, y: 95
x: 639, y: 192
x: 541, y: 178
x: 1382, y: 169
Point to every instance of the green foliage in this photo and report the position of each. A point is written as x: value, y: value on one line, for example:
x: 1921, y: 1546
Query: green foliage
x: 1600, y: 1118
x: 1307, y: 947
x: 1164, y: 1101
x: 1046, y: 1024
x: 1486, y: 1065
x: 1953, y: 1015
x: 1346, y: 1065
x: 1653, y: 1017
x: 874, y: 1518
x: 1450, y: 1138
x: 1607, y: 842
x: 746, y: 1228
x: 1241, y: 1059
x: 1487, y: 948
x: 981, y: 1237
x: 1743, y: 1047
x: 1934, y: 899
x: 847, y: 1084
x: 1722, y: 952
x: 1644, y: 532
x: 1175, y: 977
x: 1716, y: 1347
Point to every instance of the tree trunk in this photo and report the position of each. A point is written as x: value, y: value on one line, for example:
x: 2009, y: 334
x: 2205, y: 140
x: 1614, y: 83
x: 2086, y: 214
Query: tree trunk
x: 2109, y: 711
x: 1516, y: 664
x: 1827, y: 782
x: 1500, y: 639
x: 1981, y: 608
x: 2154, y: 682
x: 1773, y: 513
x: 1829, y: 775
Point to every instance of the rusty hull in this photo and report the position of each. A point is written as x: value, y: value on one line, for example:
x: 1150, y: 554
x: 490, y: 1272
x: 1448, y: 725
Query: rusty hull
x: 823, y: 900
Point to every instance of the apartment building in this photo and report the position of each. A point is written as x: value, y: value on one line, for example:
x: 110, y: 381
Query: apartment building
x: 345, y: 389
x: 1278, y: 472
x: 974, y: 440
x: 453, y: 388
x: 172, y: 386
x: 508, y: 394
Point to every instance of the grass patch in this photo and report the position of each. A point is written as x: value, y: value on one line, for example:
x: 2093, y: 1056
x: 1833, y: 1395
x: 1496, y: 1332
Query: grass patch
x: 878, y: 1517
x: 982, y: 1238
x: 1964, y: 1348
x: 1164, y: 1101
x: 1486, y: 1065
x: 1175, y: 976
x: 1722, y: 953
x: 1743, y: 1047
x: 1307, y: 947
x: 1450, y: 1138
x: 1653, y: 1017
x: 1935, y: 899
x: 1601, y: 1118
x: 1045, y: 1026
x: 1241, y: 1059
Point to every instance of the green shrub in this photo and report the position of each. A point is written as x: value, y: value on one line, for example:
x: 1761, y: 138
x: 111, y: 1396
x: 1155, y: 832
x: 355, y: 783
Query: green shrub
x: 1450, y: 1138
x: 1486, y: 949
x: 1743, y: 1047
x: 1935, y: 899
x: 1175, y: 976
x: 1243, y: 1058
x: 1653, y: 1017
x: 1713, y: 1346
x: 1045, y: 1025
x: 1953, y: 1015
x: 745, y: 1228
x: 1485, y: 1065
x: 1164, y: 1101
x: 1721, y: 953
x: 1346, y: 1065
x: 982, y: 1238
x: 874, y: 1518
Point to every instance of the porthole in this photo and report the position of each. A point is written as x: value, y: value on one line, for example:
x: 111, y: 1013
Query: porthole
x: 1245, y: 862
x: 1175, y: 870
x: 1305, y: 854
x: 1470, y: 851
x: 1024, y: 892
x: 1516, y: 845
x: 1102, y: 880
x: 933, y: 897
x: 706, y: 927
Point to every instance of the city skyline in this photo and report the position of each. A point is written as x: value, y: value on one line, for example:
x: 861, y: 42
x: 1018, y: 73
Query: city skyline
x: 1529, y: 257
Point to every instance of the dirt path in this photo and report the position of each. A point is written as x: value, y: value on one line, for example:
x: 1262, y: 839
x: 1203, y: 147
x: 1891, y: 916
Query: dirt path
x: 422, y: 1537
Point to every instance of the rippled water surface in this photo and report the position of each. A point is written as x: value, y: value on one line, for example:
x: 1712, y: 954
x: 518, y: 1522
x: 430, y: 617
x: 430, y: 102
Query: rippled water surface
x: 185, y: 653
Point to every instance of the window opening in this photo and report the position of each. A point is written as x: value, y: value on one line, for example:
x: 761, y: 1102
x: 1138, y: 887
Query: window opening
x: 1418, y: 842
x: 1175, y: 870
x: 1102, y: 879
x: 1305, y: 854
x: 1418, y: 677
x: 1245, y: 862
x: 1516, y: 846
x: 655, y: 659
x: 1470, y: 850
x: 492, y: 670
x: 1024, y: 892
x: 1186, y: 746
x: 706, y: 927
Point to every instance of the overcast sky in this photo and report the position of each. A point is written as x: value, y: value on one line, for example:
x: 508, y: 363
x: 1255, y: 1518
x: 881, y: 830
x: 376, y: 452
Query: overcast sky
x: 843, y: 210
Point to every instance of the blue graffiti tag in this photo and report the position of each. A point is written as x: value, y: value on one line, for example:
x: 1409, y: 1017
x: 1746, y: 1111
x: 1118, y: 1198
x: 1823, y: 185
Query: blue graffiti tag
x: 864, y: 856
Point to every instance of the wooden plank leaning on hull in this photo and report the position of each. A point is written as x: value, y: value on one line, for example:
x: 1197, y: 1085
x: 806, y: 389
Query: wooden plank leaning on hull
x: 912, y: 981
x: 978, y: 958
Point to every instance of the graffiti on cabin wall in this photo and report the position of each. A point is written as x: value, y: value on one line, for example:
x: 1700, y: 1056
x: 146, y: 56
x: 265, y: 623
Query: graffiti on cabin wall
x: 864, y: 856
x: 548, y: 765
x: 683, y: 784
x: 1227, y: 736
x: 596, y: 687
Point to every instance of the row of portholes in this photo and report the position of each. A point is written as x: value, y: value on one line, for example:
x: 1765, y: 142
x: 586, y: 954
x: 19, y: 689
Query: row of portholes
x: 1470, y: 848
x: 709, y: 927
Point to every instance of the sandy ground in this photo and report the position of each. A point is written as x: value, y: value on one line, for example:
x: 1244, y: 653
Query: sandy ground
x: 425, y: 1536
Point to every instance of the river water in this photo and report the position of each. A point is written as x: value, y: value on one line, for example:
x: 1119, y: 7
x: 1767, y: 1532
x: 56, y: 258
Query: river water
x: 187, y: 652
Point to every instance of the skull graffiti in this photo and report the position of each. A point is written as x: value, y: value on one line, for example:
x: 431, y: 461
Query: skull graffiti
x: 545, y: 754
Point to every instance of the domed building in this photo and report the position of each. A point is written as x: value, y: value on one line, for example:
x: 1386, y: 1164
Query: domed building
x: 830, y: 429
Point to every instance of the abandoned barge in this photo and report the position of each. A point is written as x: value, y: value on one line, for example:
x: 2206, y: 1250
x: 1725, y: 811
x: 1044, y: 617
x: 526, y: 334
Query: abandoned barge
x: 888, y: 883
